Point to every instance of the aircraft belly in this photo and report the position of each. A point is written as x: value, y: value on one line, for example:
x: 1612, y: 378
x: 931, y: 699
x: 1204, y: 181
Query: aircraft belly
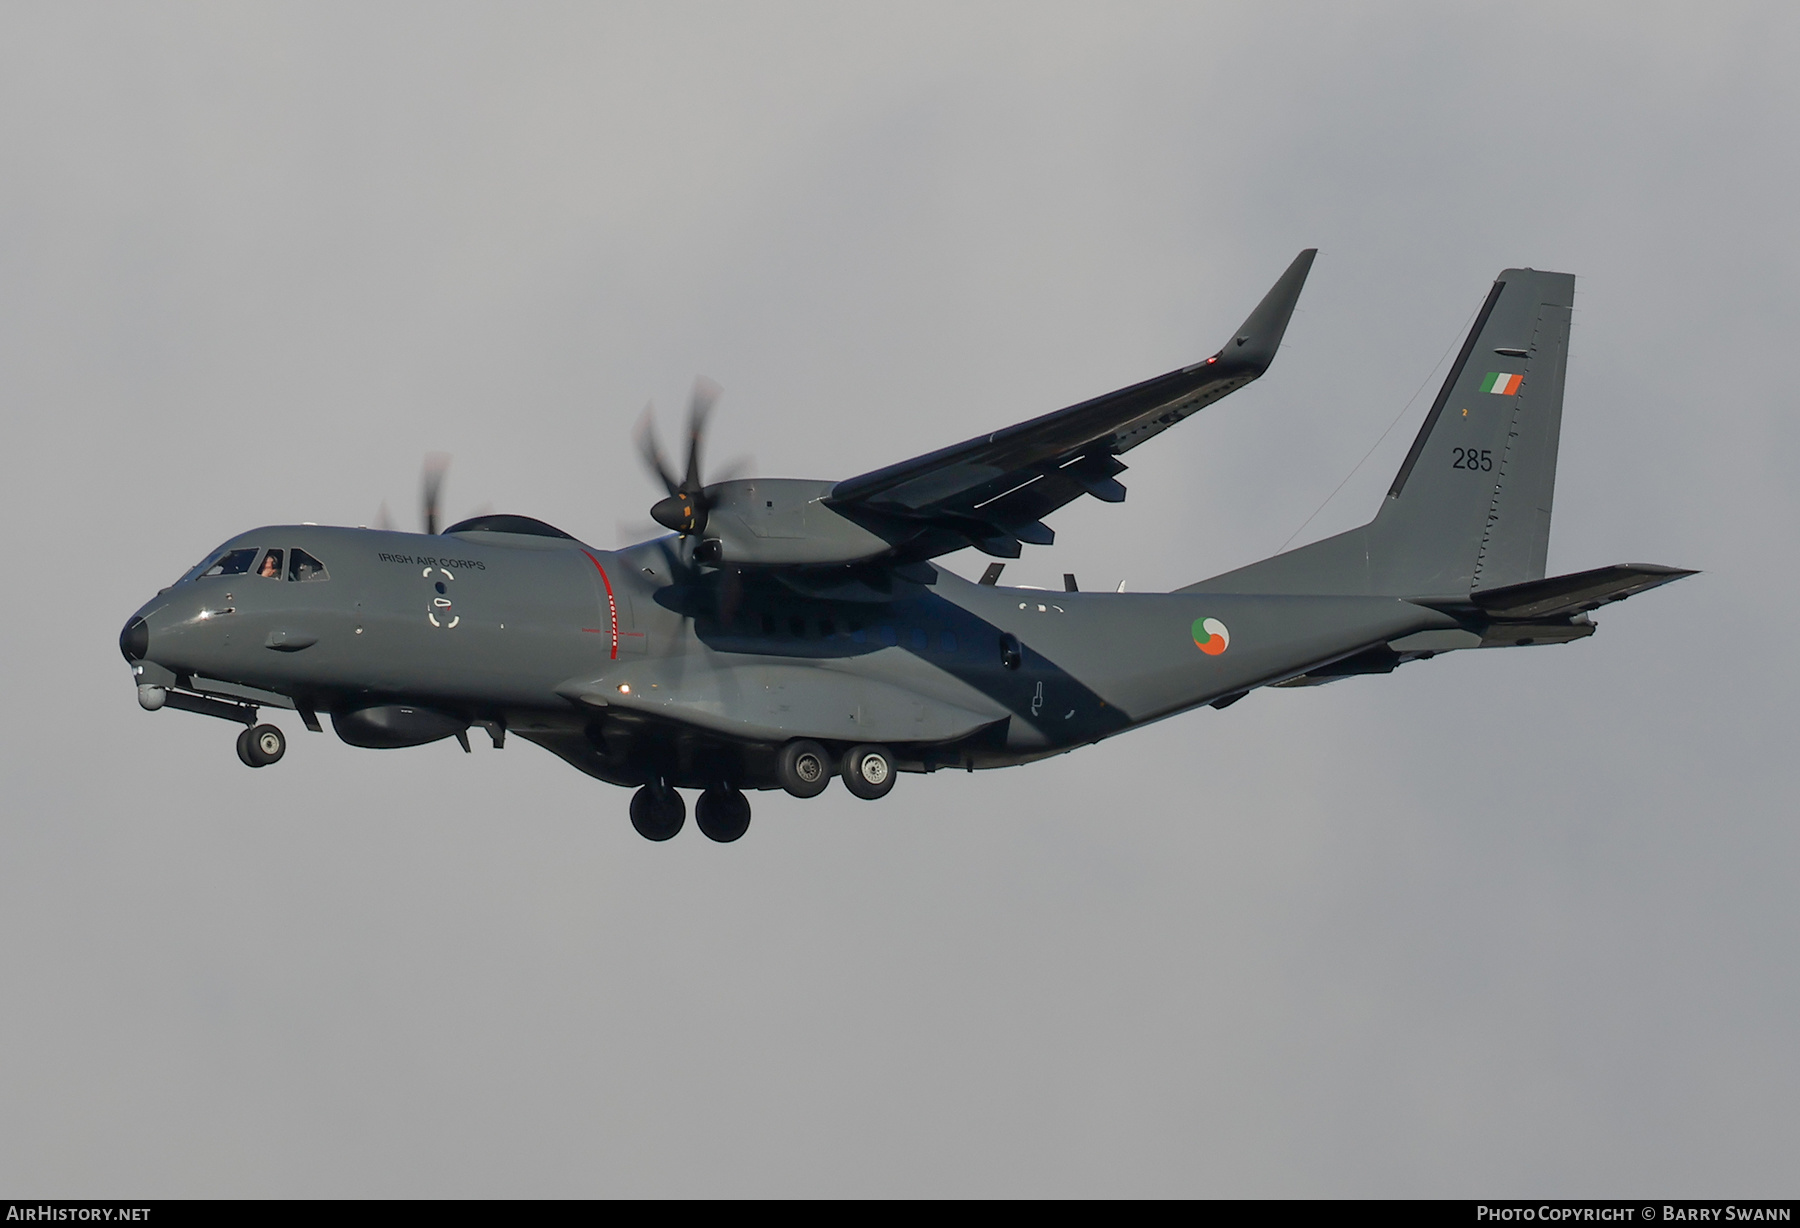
x: 773, y: 701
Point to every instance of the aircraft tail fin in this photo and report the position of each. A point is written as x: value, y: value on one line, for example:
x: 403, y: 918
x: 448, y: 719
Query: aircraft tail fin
x: 1470, y: 508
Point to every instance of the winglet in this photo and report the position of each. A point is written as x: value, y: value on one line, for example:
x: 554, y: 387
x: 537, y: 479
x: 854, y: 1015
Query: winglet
x: 1254, y: 344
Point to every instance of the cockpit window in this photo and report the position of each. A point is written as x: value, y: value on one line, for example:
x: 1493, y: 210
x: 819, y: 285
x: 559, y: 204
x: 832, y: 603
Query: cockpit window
x: 303, y: 566
x: 232, y: 563
x: 270, y: 567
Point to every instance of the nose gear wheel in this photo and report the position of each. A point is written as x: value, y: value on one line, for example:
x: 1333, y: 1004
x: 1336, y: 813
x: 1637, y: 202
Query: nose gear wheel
x: 261, y: 745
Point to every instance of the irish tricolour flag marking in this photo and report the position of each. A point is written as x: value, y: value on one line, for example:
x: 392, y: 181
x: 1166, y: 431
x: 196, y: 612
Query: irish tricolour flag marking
x: 1501, y: 384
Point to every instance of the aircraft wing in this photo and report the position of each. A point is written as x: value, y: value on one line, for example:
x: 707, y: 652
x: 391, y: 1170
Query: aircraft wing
x: 993, y: 491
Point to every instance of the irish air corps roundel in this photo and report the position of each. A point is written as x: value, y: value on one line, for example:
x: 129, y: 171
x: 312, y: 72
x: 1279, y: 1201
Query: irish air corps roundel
x: 1210, y: 636
x: 1501, y: 384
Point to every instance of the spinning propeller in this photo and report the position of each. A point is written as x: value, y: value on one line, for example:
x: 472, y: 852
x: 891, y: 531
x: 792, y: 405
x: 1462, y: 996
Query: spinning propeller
x: 431, y: 488
x: 431, y: 493
x: 685, y: 509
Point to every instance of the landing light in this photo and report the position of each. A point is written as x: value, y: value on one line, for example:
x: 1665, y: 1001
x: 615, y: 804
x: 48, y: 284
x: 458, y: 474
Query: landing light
x: 624, y: 688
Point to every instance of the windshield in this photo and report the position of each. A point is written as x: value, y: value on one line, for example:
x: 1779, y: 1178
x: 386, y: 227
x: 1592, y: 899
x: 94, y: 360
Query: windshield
x: 232, y: 563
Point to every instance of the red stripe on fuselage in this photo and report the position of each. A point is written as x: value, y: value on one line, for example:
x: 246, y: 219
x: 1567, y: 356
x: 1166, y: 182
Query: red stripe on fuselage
x: 612, y: 606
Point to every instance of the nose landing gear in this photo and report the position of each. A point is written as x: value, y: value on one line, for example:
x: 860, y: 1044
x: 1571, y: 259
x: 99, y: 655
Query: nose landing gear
x: 261, y: 745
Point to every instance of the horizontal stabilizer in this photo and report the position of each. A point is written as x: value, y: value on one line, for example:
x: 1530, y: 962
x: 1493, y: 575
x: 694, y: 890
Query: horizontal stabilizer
x: 1565, y: 596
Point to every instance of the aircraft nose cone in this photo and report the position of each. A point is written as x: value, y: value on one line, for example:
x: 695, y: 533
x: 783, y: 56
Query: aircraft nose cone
x: 134, y: 641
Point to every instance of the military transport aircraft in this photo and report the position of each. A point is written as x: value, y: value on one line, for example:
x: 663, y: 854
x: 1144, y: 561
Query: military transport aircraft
x: 789, y: 631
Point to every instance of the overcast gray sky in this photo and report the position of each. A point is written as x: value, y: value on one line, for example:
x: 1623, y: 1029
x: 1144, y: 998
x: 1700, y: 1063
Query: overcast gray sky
x: 1513, y: 922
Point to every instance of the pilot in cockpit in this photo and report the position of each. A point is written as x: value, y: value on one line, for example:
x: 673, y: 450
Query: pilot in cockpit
x: 271, y: 566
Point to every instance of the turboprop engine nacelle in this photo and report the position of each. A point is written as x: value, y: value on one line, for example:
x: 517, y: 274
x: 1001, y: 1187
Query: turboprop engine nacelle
x: 774, y: 521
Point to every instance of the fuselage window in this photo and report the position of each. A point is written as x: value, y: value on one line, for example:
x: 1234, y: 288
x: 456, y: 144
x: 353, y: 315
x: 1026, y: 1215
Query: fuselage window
x: 303, y: 566
x: 947, y: 642
x: 270, y: 567
x: 827, y: 627
x: 797, y: 625
x: 233, y: 563
x: 920, y: 640
x: 886, y: 636
x: 768, y: 624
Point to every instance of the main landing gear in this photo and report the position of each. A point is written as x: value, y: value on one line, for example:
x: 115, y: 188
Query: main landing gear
x: 657, y: 812
x: 722, y: 813
x: 868, y: 771
x: 261, y: 745
x: 803, y: 767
